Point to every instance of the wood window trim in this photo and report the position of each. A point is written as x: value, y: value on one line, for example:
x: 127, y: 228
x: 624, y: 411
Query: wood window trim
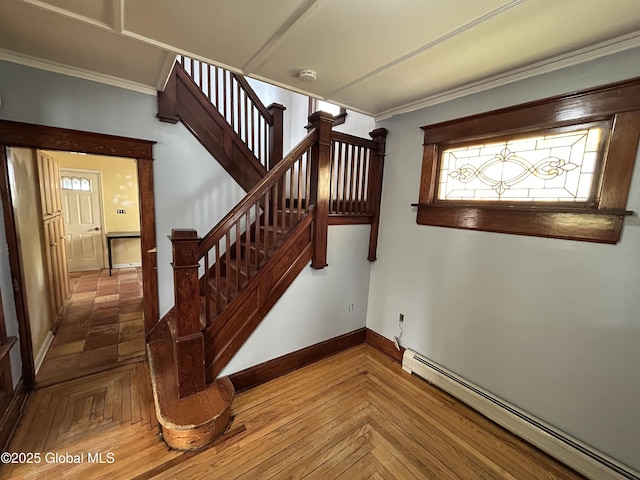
x: 601, y: 222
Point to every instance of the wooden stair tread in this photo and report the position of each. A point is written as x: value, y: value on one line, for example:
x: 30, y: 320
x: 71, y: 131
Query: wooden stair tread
x: 194, y: 421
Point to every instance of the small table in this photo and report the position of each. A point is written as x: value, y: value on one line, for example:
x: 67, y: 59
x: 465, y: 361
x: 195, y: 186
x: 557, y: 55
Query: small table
x: 111, y: 236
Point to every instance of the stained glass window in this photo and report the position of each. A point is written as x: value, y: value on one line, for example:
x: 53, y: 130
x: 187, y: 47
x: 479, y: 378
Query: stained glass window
x: 74, y: 183
x: 554, y: 167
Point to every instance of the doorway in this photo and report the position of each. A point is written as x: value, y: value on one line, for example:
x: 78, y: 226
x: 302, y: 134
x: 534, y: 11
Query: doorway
x: 56, y: 139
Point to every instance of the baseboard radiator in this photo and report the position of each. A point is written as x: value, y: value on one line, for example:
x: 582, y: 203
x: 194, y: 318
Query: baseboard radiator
x: 570, y: 451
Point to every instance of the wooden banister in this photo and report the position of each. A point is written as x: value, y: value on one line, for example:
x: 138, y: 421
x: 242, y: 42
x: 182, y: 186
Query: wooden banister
x: 253, y: 96
x: 256, y: 192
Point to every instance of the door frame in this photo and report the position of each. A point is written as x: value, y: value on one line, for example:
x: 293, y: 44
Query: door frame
x: 17, y: 134
x: 101, y: 207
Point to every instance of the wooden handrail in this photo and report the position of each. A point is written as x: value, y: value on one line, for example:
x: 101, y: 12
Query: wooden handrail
x: 240, y: 210
x: 253, y: 96
x: 353, y: 140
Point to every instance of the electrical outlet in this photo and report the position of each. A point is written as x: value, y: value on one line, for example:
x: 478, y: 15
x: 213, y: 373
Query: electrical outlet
x: 351, y: 307
x: 401, y: 319
x: 121, y: 211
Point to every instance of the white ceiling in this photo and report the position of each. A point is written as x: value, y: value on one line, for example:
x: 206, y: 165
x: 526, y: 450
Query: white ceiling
x: 377, y: 56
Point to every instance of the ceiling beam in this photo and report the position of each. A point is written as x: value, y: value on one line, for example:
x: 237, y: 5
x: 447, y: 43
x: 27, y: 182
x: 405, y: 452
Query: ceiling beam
x: 302, y: 13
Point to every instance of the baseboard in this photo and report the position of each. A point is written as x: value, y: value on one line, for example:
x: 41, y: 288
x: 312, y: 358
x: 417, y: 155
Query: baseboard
x: 126, y: 265
x: 560, y: 445
x: 12, y: 415
x: 258, y: 374
x: 384, y: 345
x: 43, y: 351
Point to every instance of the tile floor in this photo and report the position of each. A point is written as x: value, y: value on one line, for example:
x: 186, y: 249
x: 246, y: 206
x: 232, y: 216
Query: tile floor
x: 102, y: 326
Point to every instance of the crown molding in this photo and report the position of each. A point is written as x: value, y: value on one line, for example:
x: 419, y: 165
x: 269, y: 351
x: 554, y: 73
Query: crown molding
x: 609, y: 47
x: 60, y: 68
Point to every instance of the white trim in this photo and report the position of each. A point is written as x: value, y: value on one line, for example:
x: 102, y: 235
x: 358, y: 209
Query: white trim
x: 43, y: 351
x: 56, y: 67
x: 610, y: 47
x: 62, y: 12
x: 126, y: 265
x: 583, y: 458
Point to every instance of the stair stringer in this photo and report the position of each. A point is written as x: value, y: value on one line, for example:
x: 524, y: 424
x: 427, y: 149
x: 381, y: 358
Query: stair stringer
x: 247, y: 309
x: 183, y: 100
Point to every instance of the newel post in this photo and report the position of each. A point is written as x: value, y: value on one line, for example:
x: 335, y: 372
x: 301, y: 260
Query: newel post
x: 321, y: 185
x: 379, y: 136
x: 186, y: 325
x: 276, y: 134
x: 167, y: 99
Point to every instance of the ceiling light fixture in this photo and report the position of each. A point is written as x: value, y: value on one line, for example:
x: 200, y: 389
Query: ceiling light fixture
x: 307, y: 76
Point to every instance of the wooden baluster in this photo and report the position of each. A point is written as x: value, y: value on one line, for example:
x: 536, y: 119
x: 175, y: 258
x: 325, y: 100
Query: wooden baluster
x: 210, y: 82
x: 247, y: 130
x: 352, y: 152
x: 256, y: 239
x: 201, y: 85
x: 227, y: 255
x: 267, y: 213
x: 227, y: 99
x: 356, y: 207
x: 186, y: 327
x: 276, y: 134
x: 320, y: 185
x: 207, y: 299
x: 344, y: 159
x: 291, y: 171
x: 217, y: 278
x: 247, y: 238
x: 217, y: 88
x: 253, y: 130
x: 376, y: 168
x: 283, y: 205
x: 238, y: 256
x: 238, y: 127
x: 307, y: 187
x: 231, y: 100
x: 299, y: 194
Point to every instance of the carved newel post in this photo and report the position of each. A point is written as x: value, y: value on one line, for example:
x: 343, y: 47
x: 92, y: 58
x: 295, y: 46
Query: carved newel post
x: 186, y: 325
x: 321, y: 185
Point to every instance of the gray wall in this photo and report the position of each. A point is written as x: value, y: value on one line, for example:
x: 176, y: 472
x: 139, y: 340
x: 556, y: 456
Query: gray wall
x: 191, y: 191
x: 552, y: 326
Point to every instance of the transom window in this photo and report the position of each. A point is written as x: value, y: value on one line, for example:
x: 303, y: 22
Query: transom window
x: 75, y: 183
x: 558, y: 166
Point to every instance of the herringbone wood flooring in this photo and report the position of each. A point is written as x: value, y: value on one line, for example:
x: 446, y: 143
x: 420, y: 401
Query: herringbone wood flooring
x: 354, y: 415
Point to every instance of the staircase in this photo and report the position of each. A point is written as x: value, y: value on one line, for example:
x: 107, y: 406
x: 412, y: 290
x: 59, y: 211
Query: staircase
x: 227, y: 281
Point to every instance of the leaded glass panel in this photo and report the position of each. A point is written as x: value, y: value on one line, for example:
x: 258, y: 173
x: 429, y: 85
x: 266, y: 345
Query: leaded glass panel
x: 553, y: 167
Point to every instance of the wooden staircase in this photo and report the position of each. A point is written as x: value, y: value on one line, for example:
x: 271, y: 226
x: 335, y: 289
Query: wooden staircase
x: 227, y: 281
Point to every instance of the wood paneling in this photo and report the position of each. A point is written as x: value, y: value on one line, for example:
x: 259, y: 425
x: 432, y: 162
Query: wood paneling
x: 234, y: 325
x: 53, y: 233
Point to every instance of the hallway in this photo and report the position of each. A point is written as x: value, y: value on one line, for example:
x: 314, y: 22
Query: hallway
x: 102, y: 326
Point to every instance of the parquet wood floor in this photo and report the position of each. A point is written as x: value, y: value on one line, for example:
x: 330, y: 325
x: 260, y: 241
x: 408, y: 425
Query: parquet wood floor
x: 355, y: 415
x: 102, y: 326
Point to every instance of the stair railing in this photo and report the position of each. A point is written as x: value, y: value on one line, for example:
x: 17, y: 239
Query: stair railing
x: 259, y: 127
x: 226, y: 258
x: 249, y: 233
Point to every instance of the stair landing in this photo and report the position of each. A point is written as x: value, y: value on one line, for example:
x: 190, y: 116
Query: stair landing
x: 192, y: 422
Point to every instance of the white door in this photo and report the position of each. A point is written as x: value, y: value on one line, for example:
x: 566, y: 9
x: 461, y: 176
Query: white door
x: 82, y: 219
